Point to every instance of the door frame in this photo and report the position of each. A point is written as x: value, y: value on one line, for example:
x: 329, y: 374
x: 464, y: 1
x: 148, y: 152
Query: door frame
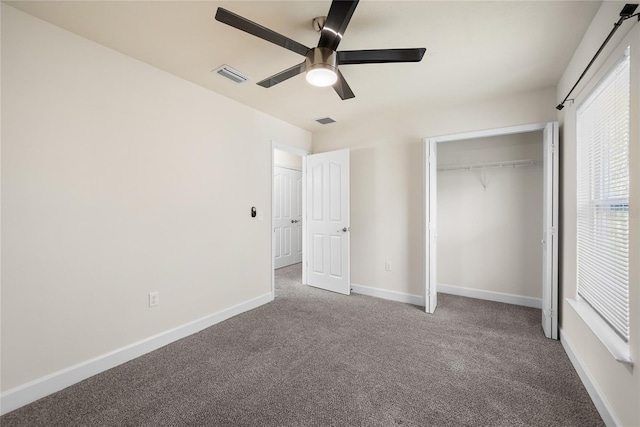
x: 303, y: 154
x: 430, y: 198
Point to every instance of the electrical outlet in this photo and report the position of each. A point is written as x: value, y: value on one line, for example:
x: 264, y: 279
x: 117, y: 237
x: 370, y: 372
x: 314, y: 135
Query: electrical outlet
x: 387, y: 266
x: 154, y: 299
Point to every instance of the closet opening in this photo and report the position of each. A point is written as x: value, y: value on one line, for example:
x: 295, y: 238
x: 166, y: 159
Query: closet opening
x: 491, y: 223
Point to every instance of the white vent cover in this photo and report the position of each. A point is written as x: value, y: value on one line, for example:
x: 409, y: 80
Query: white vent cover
x: 231, y: 74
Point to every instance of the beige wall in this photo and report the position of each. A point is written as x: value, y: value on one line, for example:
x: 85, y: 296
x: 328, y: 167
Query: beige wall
x: 619, y: 385
x: 489, y: 238
x: 387, y: 184
x: 287, y: 160
x: 119, y: 179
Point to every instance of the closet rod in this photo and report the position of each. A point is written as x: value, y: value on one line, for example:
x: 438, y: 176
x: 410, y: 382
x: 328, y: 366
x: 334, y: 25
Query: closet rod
x: 507, y: 164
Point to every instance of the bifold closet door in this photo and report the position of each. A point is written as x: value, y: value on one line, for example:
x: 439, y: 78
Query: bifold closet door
x: 550, y: 232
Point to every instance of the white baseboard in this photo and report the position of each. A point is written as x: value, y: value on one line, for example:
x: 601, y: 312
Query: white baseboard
x: 490, y: 295
x: 447, y: 289
x: 386, y: 294
x: 600, y: 402
x: 37, y: 389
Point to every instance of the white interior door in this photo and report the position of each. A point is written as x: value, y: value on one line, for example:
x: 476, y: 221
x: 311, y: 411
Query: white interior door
x: 287, y: 216
x: 431, y: 171
x: 328, y: 224
x: 550, y: 232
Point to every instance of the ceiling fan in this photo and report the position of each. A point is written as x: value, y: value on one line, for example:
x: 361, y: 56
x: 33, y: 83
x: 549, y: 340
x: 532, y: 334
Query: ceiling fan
x: 321, y: 63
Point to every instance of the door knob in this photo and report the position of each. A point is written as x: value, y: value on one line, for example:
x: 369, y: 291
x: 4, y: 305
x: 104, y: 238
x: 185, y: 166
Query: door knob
x: 344, y: 230
x: 295, y: 221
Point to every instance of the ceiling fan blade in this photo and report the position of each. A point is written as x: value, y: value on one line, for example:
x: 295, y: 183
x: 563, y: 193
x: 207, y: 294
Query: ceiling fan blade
x: 283, y: 75
x: 237, y: 21
x: 342, y: 88
x: 337, y: 20
x: 380, y: 56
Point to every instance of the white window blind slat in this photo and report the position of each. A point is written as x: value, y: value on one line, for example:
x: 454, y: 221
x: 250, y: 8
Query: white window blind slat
x: 617, y: 294
x: 603, y: 198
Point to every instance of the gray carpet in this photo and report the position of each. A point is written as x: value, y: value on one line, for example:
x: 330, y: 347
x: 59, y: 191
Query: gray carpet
x: 315, y: 358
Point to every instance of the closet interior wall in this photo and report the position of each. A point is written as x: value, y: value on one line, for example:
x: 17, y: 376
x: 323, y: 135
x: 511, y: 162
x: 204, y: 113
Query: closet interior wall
x: 490, y: 214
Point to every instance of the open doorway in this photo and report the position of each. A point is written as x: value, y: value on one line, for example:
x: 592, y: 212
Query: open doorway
x: 324, y: 223
x: 288, y: 207
x: 491, y: 217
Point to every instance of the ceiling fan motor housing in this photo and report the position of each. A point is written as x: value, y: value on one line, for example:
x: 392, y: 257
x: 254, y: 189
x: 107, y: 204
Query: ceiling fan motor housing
x: 322, y: 60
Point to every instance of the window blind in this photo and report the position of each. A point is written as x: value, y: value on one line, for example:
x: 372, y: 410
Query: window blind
x: 603, y: 198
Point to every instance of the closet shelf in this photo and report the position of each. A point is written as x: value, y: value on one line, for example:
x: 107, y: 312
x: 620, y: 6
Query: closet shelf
x: 491, y: 165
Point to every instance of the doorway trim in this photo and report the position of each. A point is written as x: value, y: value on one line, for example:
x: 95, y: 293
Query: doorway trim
x: 429, y: 146
x: 490, y: 132
x: 303, y: 154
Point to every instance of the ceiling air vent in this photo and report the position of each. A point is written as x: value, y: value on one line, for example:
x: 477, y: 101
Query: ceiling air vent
x: 325, y: 120
x: 231, y: 74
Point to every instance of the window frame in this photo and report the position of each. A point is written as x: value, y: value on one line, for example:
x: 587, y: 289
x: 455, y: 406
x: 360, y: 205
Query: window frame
x: 619, y: 348
x: 601, y: 202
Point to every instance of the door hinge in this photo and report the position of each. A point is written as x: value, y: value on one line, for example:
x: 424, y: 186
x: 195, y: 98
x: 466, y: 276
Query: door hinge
x: 553, y: 231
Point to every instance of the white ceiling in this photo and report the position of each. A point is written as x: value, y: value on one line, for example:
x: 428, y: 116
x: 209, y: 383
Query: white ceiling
x: 475, y: 49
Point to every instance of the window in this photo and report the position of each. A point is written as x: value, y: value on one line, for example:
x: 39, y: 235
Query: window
x: 603, y: 198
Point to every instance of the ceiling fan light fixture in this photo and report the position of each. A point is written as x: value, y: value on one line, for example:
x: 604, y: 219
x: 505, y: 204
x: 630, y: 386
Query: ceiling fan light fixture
x: 321, y: 66
x: 322, y: 77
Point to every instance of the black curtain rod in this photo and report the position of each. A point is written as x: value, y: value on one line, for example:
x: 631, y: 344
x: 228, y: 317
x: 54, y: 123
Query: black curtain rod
x: 625, y: 13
